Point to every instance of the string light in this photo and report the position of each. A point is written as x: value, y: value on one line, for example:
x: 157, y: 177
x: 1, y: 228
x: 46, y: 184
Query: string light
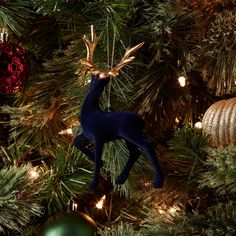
x: 34, y: 173
x: 100, y: 203
x: 161, y: 211
x: 173, y: 210
x: 177, y: 120
x: 168, y: 211
x: 74, y: 206
x: 4, y: 35
x: 147, y: 183
x: 66, y: 131
x: 198, y: 125
x: 182, y: 81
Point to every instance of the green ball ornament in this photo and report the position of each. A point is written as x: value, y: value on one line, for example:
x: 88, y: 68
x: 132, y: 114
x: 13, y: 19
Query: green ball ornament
x: 71, y: 224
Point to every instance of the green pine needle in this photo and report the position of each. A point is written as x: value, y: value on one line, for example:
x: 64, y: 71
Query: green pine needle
x: 16, y: 203
x: 14, y: 15
x: 121, y: 229
x: 186, y: 150
x: 221, y: 170
x: 69, y: 178
x: 115, y: 156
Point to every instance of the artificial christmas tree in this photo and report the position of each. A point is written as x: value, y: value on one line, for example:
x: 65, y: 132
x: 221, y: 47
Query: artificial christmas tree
x: 41, y: 170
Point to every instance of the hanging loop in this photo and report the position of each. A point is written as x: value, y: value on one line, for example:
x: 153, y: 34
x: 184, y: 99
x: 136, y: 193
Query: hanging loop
x: 110, y: 64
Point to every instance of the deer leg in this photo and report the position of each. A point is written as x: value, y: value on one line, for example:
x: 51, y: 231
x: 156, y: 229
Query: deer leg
x: 98, y: 163
x: 146, y: 146
x: 134, y: 154
x: 78, y: 143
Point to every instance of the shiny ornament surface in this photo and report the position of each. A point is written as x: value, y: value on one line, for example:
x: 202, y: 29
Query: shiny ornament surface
x: 219, y: 122
x: 71, y: 224
x: 14, y: 67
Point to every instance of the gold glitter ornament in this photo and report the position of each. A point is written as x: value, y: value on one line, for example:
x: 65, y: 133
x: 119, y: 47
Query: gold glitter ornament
x: 219, y: 121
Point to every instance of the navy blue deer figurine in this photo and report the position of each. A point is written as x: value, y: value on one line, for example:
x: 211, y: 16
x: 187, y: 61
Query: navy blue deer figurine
x: 101, y: 127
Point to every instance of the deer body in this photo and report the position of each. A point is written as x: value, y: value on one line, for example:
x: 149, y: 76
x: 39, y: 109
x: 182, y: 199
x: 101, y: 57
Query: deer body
x: 95, y: 121
x: 101, y: 127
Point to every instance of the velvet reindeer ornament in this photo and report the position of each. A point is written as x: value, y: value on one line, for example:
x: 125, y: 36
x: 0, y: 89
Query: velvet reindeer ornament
x: 101, y: 127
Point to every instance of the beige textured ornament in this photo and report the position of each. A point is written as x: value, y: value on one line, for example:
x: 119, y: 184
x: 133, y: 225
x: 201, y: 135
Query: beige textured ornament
x: 219, y: 121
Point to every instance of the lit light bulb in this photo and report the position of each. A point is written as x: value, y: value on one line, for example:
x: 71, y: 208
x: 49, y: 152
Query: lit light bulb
x: 4, y: 35
x: 182, y: 81
x: 66, y: 131
x: 100, y: 203
x: 172, y: 210
x: 74, y: 206
x: 198, y: 125
x: 161, y: 211
x: 177, y: 120
x: 147, y: 183
x: 34, y: 174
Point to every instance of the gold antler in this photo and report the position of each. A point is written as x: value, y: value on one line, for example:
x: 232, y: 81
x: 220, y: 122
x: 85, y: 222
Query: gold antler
x: 105, y: 73
x: 126, y: 58
x: 90, y: 48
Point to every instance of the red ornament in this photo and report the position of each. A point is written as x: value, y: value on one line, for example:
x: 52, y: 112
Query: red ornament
x: 14, y: 67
